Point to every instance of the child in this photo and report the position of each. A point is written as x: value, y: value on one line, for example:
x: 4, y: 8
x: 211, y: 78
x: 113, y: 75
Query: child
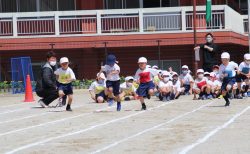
x: 227, y: 74
x: 144, y: 77
x: 113, y: 80
x: 176, y: 86
x: 97, y: 89
x: 128, y: 90
x: 243, y: 76
x: 187, y: 80
x: 165, y: 87
x: 215, y: 85
x: 216, y: 71
x: 65, y: 76
x: 201, y: 86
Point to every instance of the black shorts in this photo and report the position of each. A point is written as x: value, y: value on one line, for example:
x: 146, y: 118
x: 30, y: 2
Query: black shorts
x: 115, y: 85
x: 227, y: 81
x: 240, y: 78
x: 66, y: 88
x: 101, y: 94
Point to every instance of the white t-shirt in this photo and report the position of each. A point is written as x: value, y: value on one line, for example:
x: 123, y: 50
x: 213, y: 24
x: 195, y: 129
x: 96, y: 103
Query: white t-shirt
x: 97, y: 87
x: 108, y: 70
x: 64, y: 75
x: 229, y: 70
x: 163, y: 84
x: 177, y: 85
x: 126, y: 89
x: 145, y: 75
x: 244, y: 67
x: 214, y: 83
x: 186, y: 78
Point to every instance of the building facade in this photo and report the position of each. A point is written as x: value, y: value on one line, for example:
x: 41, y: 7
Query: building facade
x: 87, y: 30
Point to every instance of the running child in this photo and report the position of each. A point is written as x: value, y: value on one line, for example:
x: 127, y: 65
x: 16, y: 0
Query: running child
x: 113, y: 81
x: 227, y: 74
x: 144, y: 76
x: 65, y: 76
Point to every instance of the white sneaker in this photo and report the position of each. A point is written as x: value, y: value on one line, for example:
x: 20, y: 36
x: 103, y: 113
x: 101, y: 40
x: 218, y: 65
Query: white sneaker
x: 60, y: 102
x: 42, y: 104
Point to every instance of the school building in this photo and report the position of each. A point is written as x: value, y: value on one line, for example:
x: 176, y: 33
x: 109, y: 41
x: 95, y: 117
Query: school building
x: 87, y: 30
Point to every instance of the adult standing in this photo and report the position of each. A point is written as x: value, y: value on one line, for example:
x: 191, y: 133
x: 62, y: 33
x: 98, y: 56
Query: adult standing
x: 47, y: 86
x: 210, y: 51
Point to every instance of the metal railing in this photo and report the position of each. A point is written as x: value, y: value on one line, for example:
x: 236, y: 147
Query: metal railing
x: 126, y: 21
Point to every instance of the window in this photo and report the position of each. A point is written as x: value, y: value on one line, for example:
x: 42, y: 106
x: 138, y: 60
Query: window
x: 121, y: 4
x: 66, y: 5
x: 36, y: 5
x: 8, y: 5
x: 151, y: 3
x: 27, y: 6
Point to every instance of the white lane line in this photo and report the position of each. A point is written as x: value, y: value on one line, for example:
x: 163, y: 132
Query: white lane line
x: 11, y: 111
x: 212, y: 133
x: 13, y: 105
x: 51, y: 122
x: 83, y: 130
x: 33, y: 115
x: 149, y: 129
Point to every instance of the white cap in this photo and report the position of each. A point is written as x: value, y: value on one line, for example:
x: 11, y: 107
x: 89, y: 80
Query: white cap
x: 101, y: 76
x: 206, y: 73
x: 247, y: 56
x: 212, y: 74
x: 64, y: 60
x: 199, y: 71
x: 184, y: 67
x: 142, y: 60
x: 129, y: 78
x: 148, y: 66
x: 225, y: 55
x: 165, y: 73
x: 175, y: 73
x: 155, y: 67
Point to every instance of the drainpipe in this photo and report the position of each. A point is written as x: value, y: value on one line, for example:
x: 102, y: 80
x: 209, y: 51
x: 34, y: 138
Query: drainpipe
x: 195, y: 63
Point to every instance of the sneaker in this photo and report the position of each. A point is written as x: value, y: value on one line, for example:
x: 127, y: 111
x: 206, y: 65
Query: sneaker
x: 168, y: 98
x: 231, y: 96
x: 164, y: 99
x: 68, y: 108
x: 143, y: 106
x: 239, y: 97
x: 118, y: 108
x: 220, y: 97
x: 148, y: 96
x: 60, y: 102
x: 245, y: 94
x: 203, y: 97
x: 227, y: 104
x: 42, y: 103
x: 209, y: 96
x: 110, y: 102
x: 248, y: 94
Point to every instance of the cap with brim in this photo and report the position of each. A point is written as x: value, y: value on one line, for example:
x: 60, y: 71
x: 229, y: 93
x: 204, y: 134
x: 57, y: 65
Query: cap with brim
x: 199, y: 71
x: 165, y: 73
x: 247, y: 56
x: 184, y: 67
x: 128, y: 78
x: 64, y: 60
x: 111, y: 59
x: 101, y: 76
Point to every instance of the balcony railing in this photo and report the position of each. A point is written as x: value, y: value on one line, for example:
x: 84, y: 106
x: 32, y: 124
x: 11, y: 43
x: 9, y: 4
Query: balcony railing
x: 127, y: 21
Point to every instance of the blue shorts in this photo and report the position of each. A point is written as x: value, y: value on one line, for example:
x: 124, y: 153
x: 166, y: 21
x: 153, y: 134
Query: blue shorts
x: 66, y: 88
x: 101, y: 94
x: 227, y: 81
x: 186, y: 87
x: 143, y: 88
x: 240, y: 78
x: 115, y: 85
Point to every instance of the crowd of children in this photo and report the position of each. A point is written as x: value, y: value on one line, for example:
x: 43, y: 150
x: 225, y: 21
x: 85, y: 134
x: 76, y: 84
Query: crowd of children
x: 226, y: 81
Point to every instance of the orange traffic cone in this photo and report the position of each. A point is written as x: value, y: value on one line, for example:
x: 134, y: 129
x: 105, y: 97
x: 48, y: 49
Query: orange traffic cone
x: 28, y: 91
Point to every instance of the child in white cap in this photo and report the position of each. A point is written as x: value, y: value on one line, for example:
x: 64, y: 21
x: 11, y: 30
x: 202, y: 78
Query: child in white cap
x: 144, y: 76
x: 227, y: 74
x: 97, y: 89
x: 187, y: 80
x: 65, y: 76
x: 165, y: 87
x: 127, y: 89
x: 243, y: 75
x: 201, y: 86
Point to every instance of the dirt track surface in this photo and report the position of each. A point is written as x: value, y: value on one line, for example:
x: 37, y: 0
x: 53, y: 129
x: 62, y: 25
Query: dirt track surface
x: 179, y: 126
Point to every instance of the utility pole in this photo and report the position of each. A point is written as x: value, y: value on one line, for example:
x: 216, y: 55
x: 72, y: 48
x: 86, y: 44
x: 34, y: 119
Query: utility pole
x: 195, y: 63
x: 159, y: 54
